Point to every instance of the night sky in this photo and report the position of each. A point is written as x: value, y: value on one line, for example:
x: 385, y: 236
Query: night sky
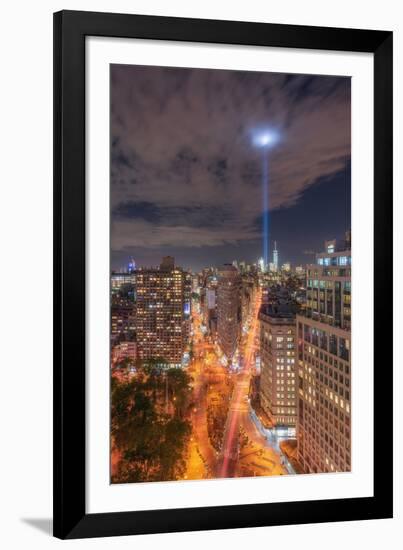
x: 186, y: 179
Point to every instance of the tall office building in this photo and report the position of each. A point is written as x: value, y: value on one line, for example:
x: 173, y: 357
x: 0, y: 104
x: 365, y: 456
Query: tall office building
x: 249, y: 286
x: 228, y: 309
x: 161, y: 312
x: 131, y: 268
x: 208, y: 303
x: 324, y: 362
x: 275, y: 257
x: 277, y: 360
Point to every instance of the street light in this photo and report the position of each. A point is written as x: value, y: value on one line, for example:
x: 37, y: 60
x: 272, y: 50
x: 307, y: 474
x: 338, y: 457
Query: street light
x: 265, y: 139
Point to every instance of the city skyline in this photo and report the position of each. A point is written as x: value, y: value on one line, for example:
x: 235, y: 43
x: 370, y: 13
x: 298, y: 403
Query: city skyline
x: 193, y: 190
x: 230, y: 289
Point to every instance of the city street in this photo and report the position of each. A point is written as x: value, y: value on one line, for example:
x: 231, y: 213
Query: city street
x: 258, y: 457
x: 230, y: 334
x: 202, y: 351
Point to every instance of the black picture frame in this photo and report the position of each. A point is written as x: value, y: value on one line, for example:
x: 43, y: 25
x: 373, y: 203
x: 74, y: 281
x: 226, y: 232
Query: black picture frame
x: 70, y: 517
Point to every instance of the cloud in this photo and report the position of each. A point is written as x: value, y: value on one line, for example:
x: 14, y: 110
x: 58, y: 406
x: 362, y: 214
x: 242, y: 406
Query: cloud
x: 182, y: 165
x: 138, y: 233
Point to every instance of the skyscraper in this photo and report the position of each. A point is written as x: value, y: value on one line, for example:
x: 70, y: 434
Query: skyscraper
x: 249, y: 286
x: 228, y: 309
x: 277, y: 355
x: 324, y: 363
x: 275, y: 256
x: 131, y: 268
x: 208, y: 301
x: 161, y: 316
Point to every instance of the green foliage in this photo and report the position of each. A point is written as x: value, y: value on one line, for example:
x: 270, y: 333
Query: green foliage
x: 150, y: 433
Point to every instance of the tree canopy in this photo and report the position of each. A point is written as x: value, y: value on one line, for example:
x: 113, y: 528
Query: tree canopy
x: 149, y: 433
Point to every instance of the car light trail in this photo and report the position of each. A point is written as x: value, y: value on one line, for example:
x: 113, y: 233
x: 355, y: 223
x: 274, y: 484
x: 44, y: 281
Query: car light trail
x: 231, y: 438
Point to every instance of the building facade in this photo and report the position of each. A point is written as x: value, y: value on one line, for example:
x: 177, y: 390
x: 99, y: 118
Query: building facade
x: 122, y: 317
x: 162, y: 313
x: 278, y: 397
x: 249, y: 287
x: 228, y: 310
x: 209, y: 309
x: 124, y: 350
x: 275, y: 257
x: 324, y: 363
x: 119, y: 280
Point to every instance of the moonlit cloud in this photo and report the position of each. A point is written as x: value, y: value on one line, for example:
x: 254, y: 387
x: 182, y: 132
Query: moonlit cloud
x: 184, y: 172
x: 139, y: 233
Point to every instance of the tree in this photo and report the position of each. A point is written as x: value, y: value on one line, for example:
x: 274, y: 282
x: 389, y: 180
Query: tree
x: 178, y: 389
x: 152, y: 443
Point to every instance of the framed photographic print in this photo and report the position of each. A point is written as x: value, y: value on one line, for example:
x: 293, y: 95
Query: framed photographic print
x: 223, y: 248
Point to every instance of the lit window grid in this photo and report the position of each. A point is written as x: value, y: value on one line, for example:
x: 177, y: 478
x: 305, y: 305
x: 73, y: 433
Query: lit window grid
x: 324, y: 409
x: 278, y: 380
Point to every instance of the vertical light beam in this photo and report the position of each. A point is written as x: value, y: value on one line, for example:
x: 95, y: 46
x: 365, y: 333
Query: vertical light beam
x: 265, y: 140
x: 265, y: 185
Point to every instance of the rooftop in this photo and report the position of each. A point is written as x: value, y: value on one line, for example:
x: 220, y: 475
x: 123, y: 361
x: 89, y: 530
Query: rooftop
x: 278, y: 311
